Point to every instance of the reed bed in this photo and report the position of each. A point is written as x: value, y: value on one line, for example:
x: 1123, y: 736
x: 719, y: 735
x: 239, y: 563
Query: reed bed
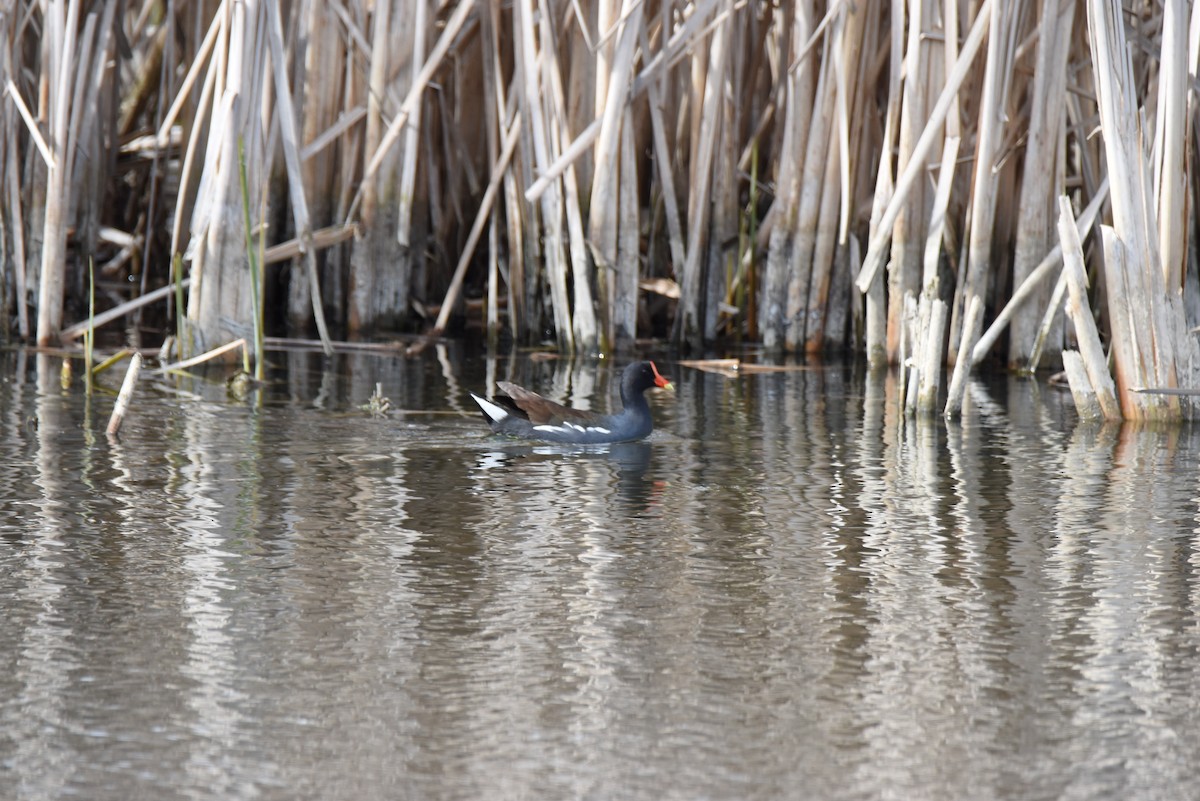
x: 897, y: 180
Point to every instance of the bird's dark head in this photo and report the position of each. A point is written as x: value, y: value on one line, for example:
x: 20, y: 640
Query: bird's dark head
x: 641, y: 376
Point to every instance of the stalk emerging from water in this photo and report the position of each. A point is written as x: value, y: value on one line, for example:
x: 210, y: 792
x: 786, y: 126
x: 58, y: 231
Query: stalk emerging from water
x: 255, y: 282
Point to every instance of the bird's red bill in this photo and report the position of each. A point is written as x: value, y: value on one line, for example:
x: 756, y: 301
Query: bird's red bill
x: 659, y: 381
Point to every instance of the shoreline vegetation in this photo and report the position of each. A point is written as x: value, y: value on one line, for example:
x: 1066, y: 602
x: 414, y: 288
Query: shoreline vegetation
x: 927, y: 184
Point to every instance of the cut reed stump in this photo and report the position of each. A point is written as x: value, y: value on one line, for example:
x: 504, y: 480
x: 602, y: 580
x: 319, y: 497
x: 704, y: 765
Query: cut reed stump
x: 125, y: 395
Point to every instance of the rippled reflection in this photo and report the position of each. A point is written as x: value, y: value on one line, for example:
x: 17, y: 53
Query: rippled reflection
x: 790, y: 588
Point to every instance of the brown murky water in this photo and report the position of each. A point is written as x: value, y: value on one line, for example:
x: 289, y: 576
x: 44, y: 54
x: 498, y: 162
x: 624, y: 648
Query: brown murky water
x: 785, y: 593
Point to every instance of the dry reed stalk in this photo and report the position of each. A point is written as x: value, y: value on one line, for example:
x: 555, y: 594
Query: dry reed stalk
x: 812, y: 188
x: 1169, y: 170
x: 62, y: 27
x: 585, y: 330
x: 319, y: 240
x: 834, y: 221
x: 516, y: 214
x: 117, y: 312
x: 1034, y: 233
x: 873, y: 132
x: 725, y: 221
x: 528, y: 61
x: 1050, y: 321
x: 449, y: 32
x: 379, y: 294
x: 412, y: 132
x: 608, y: 29
x: 662, y: 164
x: 606, y: 211
x: 484, y: 214
x: 219, y: 304
x: 375, y: 292
x: 491, y: 112
x: 797, y: 105
x: 323, y: 124
x: 877, y: 247
x: 958, y: 380
x: 824, y: 247
x: 903, y: 278
x: 204, y: 357
x: 932, y: 358
x: 870, y: 281
x: 191, y: 168
x: 687, y: 36
x: 690, y: 322
x: 907, y: 356
x: 12, y: 218
x: 198, y: 62
x: 930, y: 334
x: 1028, y: 288
x: 525, y: 268
x: 579, y: 147
x: 996, y: 80
x: 1086, y: 404
x: 1090, y: 350
x: 286, y: 119
x: 1148, y: 333
x: 624, y: 309
x: 85, y: 81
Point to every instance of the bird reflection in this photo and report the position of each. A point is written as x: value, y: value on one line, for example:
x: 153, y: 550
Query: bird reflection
x: 628, y: 464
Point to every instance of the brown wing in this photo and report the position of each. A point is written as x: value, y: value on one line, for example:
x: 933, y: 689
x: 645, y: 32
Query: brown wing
x: 540, y: 410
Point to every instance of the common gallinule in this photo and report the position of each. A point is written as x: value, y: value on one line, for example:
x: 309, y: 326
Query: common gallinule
x: 528, y: 415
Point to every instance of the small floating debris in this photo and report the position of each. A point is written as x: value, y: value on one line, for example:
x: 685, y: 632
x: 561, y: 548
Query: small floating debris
x: 378, y: 405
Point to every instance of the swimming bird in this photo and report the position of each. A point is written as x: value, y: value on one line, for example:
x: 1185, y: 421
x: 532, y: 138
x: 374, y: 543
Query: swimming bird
x: 527, y: 415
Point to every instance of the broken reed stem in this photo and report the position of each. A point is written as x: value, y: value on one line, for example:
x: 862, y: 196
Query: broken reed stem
x: 931, y: 332
x: 1086, y: 404
x: 1090, y: 349
x: 125, y: 395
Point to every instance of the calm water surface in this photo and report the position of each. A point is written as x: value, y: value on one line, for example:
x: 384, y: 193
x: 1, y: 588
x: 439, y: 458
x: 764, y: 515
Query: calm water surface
x: 787, y: 592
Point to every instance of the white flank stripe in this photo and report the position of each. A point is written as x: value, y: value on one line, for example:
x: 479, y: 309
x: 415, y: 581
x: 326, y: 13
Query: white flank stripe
x: 599, y: 430
x: 555, y: 429
x: 496, y: 413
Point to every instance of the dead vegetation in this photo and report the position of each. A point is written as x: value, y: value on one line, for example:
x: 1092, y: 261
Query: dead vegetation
x: 870, y: 177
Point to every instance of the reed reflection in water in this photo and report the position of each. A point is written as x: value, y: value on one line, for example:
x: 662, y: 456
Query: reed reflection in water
x: 789, y: 590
